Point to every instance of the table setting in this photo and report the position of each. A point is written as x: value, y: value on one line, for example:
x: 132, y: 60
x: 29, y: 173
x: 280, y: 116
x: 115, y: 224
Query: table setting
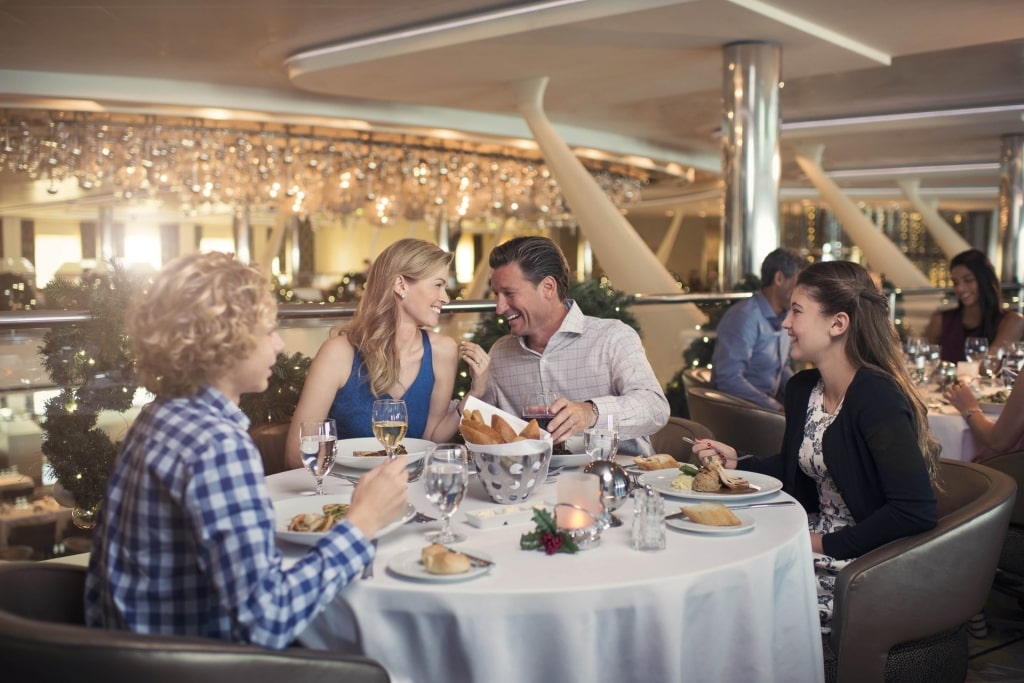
x: 551, y: 590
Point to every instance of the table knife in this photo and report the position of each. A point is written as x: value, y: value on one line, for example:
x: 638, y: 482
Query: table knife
x: 744, y: 506
x: 475, y: 560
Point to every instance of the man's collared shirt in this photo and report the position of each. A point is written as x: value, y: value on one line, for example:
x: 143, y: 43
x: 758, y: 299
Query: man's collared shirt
x: 587, y: 359
x: 751, y: 359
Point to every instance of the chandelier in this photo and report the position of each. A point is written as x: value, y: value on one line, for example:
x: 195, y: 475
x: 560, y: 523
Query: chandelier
x: 382, y: 177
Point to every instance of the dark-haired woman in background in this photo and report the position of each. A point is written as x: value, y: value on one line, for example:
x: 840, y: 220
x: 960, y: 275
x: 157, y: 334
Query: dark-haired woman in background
x: 979, y: 312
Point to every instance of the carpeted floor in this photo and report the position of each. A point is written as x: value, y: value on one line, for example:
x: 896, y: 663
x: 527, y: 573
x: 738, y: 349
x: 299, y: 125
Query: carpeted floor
x: 999, y: 655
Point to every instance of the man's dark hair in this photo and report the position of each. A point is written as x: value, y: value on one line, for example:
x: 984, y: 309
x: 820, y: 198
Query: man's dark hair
x: 537, y: 257
x: 782, y: 260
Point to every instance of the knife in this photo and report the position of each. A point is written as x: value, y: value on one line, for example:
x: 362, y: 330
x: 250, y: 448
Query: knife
x: 475, y: 560
x: 777, y: 503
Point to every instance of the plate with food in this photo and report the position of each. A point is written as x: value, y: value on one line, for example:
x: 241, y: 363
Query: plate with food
x: 709, y: 518
x: 366, y: 453
x: 993, y: 403
x: 307, y: 519
x: 440, y: 563
x: 653, y: 463
x: 680, y: 484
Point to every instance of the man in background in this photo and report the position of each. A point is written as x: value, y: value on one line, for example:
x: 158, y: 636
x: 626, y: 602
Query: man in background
x: 751, y: 359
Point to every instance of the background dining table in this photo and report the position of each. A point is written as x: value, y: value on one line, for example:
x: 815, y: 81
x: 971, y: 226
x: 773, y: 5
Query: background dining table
x: 735, y: 607
x: 950, y: 429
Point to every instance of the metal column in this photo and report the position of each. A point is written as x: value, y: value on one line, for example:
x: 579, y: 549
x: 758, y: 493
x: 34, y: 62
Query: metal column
x: 750, y: 158
x: 1011, y: 199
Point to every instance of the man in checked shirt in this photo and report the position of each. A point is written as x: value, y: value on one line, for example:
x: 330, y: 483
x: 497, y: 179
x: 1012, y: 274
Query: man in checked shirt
x: 595, y: 367
x: 185, y: 539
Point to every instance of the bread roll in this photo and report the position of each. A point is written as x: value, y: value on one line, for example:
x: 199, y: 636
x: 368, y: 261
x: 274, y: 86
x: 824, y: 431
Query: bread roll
x: 503, y: 428
x: 531, y: 430
x: 658, y: 461
x: 437, y: 559
x: 480, y: 434
x: 713, y: 514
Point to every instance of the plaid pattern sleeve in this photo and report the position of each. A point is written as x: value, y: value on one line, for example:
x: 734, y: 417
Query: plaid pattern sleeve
x: 185, y: 543
x: 588, y: 359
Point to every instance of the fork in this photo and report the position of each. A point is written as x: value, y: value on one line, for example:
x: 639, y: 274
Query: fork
x: 368, y: 569
x: 738, y: 457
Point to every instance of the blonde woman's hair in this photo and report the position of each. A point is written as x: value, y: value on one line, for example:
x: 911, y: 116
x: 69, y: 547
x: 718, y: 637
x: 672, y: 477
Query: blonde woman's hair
x: 200, y: 315
x: 846, y: 287
x: 372, y: 329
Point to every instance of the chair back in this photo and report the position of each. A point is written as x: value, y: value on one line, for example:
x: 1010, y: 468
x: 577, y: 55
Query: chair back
x: 696, y: 377
x: 43, y: 639
x: 270, y: 440
x: 923, y: 585
x: 669, y: 439
x: 1011, y: 464
x: 745, y: 426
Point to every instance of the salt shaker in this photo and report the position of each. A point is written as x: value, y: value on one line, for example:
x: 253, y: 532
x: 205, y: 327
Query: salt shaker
x: 648, y: 520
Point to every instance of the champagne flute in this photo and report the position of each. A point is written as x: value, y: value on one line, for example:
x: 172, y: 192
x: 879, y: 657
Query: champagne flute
x: 445, y: 479
x: 318, y: 443
x: 390, y: 421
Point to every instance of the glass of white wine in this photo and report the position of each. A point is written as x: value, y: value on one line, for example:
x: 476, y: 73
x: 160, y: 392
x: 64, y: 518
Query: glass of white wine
x: 445, y: 479
x: 318, y: 443
x: 390, y: 421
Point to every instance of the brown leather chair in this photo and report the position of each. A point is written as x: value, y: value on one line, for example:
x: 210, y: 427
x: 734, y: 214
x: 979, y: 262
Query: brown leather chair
x: 900, y: 610
x: 696, y: 377
x: 43, y: 639
x: 1009, y: 577
x: 270, y: 440
x: 669, y: 439
x: 745, y: 426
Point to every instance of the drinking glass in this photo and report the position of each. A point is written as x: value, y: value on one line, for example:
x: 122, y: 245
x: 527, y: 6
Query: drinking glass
x: 600, y: 443
x: 390, y: 421
x: 318, y: 442
x: 445, y: 478
x: 975, y: 348
x: 932, y: 358
x: 536, y: 406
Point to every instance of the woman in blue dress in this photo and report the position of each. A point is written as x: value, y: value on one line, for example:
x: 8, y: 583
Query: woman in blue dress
x: 389, y: 350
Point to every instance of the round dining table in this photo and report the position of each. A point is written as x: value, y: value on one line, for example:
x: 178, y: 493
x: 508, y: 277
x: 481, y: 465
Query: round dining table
x: 709, y: 607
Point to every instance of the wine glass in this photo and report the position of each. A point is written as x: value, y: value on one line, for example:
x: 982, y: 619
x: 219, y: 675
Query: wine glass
x: 318, y: 443
x: 390, y: 420
x: 975, y: 348
x: 536, y: 406
x: 445, y: 478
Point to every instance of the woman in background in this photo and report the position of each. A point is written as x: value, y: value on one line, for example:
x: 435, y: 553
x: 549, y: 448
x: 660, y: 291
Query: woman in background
x: 1005, y: 434
x: 856, y: 452
x: 979, y: 311
x: 385, y: 352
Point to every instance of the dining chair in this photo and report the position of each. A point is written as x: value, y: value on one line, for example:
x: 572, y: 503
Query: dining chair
x: 696, y: 377
x: 270, y: 441
x: 1009, y: 578
x: 744, y: 425
x: 669, y: 439
x: 43, y: 639
x: 900, y: 611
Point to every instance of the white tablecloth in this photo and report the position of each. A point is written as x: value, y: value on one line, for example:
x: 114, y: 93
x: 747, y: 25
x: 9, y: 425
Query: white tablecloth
x: 949, y: 429
x: 708, y: 608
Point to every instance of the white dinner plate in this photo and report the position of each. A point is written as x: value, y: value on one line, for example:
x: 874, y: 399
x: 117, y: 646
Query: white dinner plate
x: 346, y: 447
x: 990, y: 408
x: 407, y: 565
x: 747, y: 523
x: 570, y: 460
x: 285, y: 510
x: 661, y: 481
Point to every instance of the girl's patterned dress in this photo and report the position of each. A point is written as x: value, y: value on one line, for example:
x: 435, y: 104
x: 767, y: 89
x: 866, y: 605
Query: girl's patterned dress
x: 834, y: 514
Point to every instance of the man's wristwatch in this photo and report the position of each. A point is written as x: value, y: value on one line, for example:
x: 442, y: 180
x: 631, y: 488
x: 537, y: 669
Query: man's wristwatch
x: 597, y: 413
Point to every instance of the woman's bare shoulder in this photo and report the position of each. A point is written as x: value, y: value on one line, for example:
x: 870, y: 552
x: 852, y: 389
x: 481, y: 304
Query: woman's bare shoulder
x: 441, y: 345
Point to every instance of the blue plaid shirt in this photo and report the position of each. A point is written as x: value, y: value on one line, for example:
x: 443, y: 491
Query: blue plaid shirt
x: 185, y: 540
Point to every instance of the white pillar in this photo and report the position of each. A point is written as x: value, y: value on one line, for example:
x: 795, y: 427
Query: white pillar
x: 630, y: 264
x: 949, y: 241
x: 882, y: 255
x: 669, y: 240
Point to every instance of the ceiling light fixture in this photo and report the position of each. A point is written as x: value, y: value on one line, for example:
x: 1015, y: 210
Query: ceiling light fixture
x: 381, y: 177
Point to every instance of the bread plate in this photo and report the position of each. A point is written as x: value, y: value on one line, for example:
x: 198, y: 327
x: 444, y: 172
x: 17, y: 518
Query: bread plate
x: 760, y: 485
x: 285, y: 510
x: 747, y: 523
x: 416, y: 448
x: 408, y: 565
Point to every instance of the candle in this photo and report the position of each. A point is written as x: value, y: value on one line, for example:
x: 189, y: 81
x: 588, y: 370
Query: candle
x: 581, y: 495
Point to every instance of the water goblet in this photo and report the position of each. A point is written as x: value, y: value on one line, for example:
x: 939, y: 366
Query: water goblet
x: 975, y: 348
x: 445, y: 478
x: 600, y: 443
x: 318, y: 441
x: 390, y: 421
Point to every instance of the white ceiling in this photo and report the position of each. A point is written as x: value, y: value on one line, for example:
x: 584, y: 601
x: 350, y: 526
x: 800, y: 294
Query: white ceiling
x: 628, y: 76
